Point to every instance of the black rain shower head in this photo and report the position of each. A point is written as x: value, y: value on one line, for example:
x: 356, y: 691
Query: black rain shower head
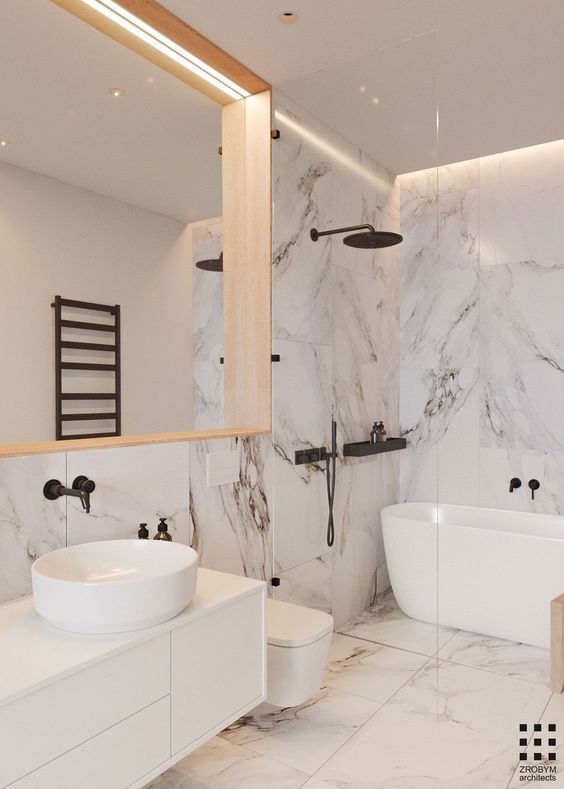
x: 368, y: 238
x: 213, y: 264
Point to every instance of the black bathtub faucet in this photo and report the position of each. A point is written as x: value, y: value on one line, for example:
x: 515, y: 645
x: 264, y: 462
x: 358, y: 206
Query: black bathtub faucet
x: 534, y: 484
x: 514, y: 484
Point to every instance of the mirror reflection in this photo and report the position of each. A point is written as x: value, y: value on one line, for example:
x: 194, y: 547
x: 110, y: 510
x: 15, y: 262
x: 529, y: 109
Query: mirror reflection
x: 110, y: 193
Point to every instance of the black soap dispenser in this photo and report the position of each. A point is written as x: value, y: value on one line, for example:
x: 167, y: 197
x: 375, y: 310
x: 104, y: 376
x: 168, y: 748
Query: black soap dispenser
x: 162, y: 531
x: 143, y: 532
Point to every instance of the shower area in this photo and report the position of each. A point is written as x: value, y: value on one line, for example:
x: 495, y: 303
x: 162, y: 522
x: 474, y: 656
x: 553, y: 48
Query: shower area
x: 454, y: 339
x: 440, y: 316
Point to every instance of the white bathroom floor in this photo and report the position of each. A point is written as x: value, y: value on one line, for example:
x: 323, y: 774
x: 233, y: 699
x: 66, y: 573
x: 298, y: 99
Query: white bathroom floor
x: 404, y: 705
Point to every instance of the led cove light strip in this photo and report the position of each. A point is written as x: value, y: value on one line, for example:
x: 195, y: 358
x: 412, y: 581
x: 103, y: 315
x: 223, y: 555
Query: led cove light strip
x: 166, y: 46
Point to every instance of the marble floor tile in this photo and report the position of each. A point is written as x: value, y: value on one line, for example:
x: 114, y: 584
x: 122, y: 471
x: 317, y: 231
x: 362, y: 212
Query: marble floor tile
x: 519, y: 661
x: 475, y: 700
x: 385, y: 623
x: 220, y: 764
x: 370, y: 670
x: 396, y: 750
x: 304, y: 737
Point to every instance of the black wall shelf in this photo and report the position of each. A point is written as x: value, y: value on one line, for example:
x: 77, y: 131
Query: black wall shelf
x: 364, y: 448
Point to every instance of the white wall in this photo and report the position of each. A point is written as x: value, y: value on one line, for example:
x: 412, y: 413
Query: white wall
x: 59, y: 239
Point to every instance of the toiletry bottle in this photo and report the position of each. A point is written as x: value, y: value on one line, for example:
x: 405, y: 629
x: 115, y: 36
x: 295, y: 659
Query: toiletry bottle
x: 374, y: 433
x: 162, y: 533
x: 143, y: 532
x: 381, y: 435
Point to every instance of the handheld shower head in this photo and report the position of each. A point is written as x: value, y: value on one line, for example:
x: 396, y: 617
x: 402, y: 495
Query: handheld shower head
x: 363, y: 237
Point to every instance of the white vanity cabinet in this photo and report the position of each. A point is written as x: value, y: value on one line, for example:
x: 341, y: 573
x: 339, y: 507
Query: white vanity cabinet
x: 110, y: 712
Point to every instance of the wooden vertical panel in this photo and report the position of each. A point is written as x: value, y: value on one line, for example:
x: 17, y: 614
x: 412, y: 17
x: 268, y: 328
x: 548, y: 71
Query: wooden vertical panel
x: 557, y: 644
x: 247, y: 253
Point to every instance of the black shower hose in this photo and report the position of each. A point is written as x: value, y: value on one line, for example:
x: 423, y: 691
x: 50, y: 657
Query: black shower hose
x: 330, y: 476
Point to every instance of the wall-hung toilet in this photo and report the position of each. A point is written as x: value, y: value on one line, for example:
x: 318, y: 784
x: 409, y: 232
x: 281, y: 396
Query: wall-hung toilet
x: 298, y: 642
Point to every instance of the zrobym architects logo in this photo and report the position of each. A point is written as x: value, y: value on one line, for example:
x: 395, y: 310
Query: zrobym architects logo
x: 537, y: 753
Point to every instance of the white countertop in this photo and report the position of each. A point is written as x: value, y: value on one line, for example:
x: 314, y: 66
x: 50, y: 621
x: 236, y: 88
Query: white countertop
x: 33, y: 653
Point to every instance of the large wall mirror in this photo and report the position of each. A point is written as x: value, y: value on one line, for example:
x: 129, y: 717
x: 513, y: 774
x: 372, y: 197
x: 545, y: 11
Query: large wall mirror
x: 112, y: 314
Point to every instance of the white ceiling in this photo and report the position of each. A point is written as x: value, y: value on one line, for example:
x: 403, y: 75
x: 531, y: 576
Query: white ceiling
x: 496, y: 73
x: 154, y: 147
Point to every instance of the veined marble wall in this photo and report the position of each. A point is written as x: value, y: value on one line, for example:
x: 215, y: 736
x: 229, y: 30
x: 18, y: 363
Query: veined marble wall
x: 482, y: 335
x: 207, y: 321
x: 336, y: 328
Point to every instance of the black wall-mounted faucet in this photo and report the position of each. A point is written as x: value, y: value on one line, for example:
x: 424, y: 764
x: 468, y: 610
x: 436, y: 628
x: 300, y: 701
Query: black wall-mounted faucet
x: 534, y: 484
x: 514, y: 484
x: 82, y: 487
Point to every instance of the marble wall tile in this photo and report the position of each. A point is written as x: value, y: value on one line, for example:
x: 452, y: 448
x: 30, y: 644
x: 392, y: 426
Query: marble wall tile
x: 231, y: 525
x: 495, y: 268
x: 440, y: 282
x: 420, y: 185
x: 419, y: 288
x: 133, y: 485
x: 366, y: 350
x: 358, y: 538
x: 302, y: 410
x: 302, y: 194
x: 208, y: 394
x: 439, y: 410
x: 30, y: 524
x: 522, y: 204
x: 499, y: 466
x: 207, y: 293
x: 459, y: 176
x: 522, y: 355
x: 308, y: 584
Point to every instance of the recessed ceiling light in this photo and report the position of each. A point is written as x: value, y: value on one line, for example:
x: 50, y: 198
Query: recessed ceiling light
x: 363, y: 88
x: 4, y: 143
x: 288, y: 17
x: 117, y: 92
x: 375, y: 100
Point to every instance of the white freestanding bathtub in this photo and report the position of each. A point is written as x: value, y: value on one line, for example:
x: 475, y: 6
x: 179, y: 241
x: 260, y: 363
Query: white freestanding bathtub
x: 484, y: 570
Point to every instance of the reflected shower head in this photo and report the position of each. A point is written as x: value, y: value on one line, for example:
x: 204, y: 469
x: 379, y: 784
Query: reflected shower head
x: 213, y: 264
x: 367, y: 238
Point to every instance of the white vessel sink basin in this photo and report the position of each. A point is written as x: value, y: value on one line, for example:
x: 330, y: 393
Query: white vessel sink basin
x: 114, y: 586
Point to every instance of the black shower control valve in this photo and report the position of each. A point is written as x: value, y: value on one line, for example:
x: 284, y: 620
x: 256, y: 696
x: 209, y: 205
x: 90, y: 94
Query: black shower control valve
x: 310, y: 455
x: 534, y: 484
x: 514, y: 484
x: 275, y: 581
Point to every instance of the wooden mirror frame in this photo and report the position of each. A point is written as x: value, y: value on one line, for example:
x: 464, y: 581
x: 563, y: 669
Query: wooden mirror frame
x: 247, y: 218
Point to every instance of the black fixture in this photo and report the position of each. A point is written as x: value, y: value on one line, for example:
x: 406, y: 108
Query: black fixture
x: 514, y: 484
x: 318, y: 455
x: 275, y: 581
x: 62, y: 364
x: 213, y: 264
x: 162, y: 531
x: 361, y: 449
x: 143, y: 532
x: 275, y: 357
x: 310, y: 455
x: 331, y: 476
x: 368, y: 238
x: 82, y: 487
x: 534, y: 484
x: 274, y: 134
